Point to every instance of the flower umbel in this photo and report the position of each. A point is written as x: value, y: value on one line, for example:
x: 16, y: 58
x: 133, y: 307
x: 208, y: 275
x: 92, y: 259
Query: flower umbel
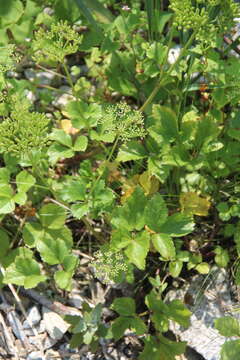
x: 109, y: 265
x: 122, y: 122
x: 55, y: 44
x: 23, y: 131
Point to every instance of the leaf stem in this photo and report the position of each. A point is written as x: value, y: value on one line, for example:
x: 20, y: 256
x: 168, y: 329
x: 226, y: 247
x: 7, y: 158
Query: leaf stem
x: 171, y: 68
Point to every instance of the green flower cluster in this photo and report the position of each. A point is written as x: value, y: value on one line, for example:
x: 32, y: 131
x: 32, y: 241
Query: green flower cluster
x: 109, y: 265
x: 61, y: 40
x: 8, y: 57
x: 208, y: 18
x: 122, y: 122
x: 23, y: 131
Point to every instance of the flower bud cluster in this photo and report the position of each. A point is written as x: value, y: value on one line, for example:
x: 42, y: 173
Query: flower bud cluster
x: 61, y: 40
x: 122, y: 121
x: 207, y: 18
x: 109, y: 265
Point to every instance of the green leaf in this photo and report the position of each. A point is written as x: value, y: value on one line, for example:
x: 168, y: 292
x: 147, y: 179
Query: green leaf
x: 4, y: 243
x: 175, y: 268
x: 178, y: 225
x: 57, y: 151
x: 83, y: 115
x: 24, y: 181
x: 85, y: 10
x: 203, y: 268
x: 25, y: 272
x: 228, y: 326
x: 52, y: 216
x: 32, y: 232
x: 20, y: 198
x: 6, y: 202
x: 230, y: 350
x: 160, y: 347
x: 52, y: 251
x: 4, y: 176
x: 11, y: 11
x: 130, y: 216
x: 119, y: 326
x: 138, y: 325
x: 138, y: 248
x: 81, y: 143
x: 132, y: 150
x: 164, y: 244
x: 166, y: 121
x: 155, y: 213
x: 62, y: 137
x: 124, y: 306
x: 179, y: 313
x: 79, y: 210
x: 63, y: 279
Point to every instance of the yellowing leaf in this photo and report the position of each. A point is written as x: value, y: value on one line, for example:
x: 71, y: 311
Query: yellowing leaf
x: 192, y: 203
x: 150, y: 184
x: 127, y: 194
x: 66, y: 125
x: 129, y: 187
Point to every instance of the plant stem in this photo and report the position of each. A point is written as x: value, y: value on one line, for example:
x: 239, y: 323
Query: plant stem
x: 108, y: 159
x: 172, y: 67
x: 69, y: 78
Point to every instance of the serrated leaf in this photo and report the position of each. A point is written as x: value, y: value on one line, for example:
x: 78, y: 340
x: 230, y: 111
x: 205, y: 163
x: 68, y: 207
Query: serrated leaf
x: 138, y: 248
x: 20, y: 198
x: 131, y: 151
x: 160, y: 347
x: 167, y: 122
x: 52, y: 251
x: 52, y: 216
x: 63, y: 279
x: 7, y: 204
x: 138, y: 325
x: 149, y: 183
x: 193, y: 204
x: 4, y: 243
x: 228, y: 326
x: 25, y: 272
x: 130, y: 216
x: 124, y: 306
x: 32, y: 232
x: 62, y: 137
x: 119, y: 326
x: 155, y: 213
x: 178, y: 225
x: 179, y: 313
x: 230, y: 350
x: 58, y: 151
x: 81, y: 143
x: 164, y: 245
x: 79, y: 210
x: 24, y: 181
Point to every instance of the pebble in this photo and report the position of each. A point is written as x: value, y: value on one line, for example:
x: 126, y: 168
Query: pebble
x: 208, y: 306
x: 35, y: 355
x: 43, y: 77
x: 55, y: 325
x: 62, y: 100
x: 33, y: 316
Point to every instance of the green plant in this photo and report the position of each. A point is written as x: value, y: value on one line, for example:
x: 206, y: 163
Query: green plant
x: 142, y: 156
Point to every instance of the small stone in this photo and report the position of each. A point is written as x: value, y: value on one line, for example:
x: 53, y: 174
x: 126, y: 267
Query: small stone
x: 30, y: 96
x: 55, y: 325
x: 63, y: 99
x: 33, y: 316
x: 35, y: 355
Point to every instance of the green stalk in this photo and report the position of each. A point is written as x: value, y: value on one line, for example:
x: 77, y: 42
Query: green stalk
x: 172, y: 67
x: 69, y: 77
x: 108, y: 159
